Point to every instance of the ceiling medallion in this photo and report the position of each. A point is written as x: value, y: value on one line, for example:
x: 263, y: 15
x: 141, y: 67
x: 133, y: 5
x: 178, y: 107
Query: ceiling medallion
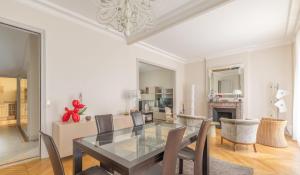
x: 126, y: 16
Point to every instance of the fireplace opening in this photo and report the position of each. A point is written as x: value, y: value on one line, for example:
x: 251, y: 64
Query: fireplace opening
x: 219, y: 113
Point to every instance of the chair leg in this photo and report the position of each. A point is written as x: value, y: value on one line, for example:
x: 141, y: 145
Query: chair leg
x: 221, y: 140
x: 180, y: 166
x: 254, y: 147
x: 234, y: 147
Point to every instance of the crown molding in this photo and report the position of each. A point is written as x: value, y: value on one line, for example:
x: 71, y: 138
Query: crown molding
x: 251, y: 48
x: 293, y: 18
x: 58, y: 11
x: 178, y: 15
x: 161, y: 52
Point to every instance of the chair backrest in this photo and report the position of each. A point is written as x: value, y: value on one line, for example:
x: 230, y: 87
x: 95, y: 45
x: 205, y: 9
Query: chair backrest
x: 104, y: 123
x: 56, y: 163
x: 138, y: 130
x: 200, y: 144
x: 137, y: 118
x: 240, y: 121
x: 238, y: 130
x: 171, y: 150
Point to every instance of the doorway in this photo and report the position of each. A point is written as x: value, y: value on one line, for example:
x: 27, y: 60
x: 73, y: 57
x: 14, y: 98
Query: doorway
x: 157, y: 88
x: 20, y: 74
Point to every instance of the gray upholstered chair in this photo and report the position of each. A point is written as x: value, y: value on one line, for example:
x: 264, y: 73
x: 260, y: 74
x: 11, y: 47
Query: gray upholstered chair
x: 57, y: 166
x: 239, y: 131
x: 104, y: 123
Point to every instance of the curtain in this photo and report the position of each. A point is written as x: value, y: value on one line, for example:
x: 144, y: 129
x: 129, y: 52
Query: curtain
x: 296, y: 105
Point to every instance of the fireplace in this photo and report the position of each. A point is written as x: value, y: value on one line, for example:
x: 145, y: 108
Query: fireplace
x: 218, y: 113
x: 231, y: 110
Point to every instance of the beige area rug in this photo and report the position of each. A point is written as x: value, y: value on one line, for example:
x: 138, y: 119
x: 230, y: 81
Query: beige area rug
x: 218, y: 167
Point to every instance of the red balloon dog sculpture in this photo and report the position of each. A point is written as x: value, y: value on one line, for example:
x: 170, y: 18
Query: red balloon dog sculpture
x: 75, y: 113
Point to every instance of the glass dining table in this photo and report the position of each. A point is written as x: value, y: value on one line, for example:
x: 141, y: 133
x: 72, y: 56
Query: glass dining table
x: 132, y: 150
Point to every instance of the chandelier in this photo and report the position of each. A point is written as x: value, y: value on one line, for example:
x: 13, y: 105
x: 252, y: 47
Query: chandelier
x: 126, y: 16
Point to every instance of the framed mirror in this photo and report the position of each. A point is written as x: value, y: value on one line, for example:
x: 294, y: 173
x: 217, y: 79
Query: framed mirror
x: 227, y: 81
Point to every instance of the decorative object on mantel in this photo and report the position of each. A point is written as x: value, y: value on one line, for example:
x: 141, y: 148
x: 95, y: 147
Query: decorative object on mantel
x: 78, y: 109
x: 126, y: 16
x: 211, y: 96
x: 237, y: 93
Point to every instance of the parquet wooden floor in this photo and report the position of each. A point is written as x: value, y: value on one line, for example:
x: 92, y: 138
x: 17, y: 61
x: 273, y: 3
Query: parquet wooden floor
x: 267, y: 161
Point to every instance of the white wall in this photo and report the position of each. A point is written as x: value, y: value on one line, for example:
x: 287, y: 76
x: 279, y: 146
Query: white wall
x: 262, y: 68
x: 195, y: 75
x: 272, y: 65
x: 296, y: 102
x: 160, y: 78
x: 82, y: 59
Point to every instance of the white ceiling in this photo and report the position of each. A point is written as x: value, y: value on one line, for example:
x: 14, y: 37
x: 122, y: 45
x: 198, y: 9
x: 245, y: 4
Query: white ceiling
x: 12, y: 50
x: 222, y: 26
x: 238, y: 24
x: 88, y: 8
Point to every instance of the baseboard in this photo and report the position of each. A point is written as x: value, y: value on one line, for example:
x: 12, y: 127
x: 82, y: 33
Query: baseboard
x: 19, y: 162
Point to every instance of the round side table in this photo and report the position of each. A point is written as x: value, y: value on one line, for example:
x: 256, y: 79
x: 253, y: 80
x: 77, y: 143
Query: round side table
x: 271, y: 133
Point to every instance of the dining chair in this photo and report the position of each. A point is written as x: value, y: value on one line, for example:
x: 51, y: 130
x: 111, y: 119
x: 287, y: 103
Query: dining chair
x: 105, y: 138
x: 137, y: 118
x: 56, y: 162
x: 197, y: 154
x: 172, y: 147
x: 138, y: 130
x: 104, y: 123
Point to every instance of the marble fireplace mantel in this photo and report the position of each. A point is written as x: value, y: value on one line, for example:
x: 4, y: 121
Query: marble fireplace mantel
x: 226, y: 105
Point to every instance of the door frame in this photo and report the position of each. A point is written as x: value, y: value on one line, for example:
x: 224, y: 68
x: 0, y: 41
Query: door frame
x: 140, y: 60
x: 33, y: 30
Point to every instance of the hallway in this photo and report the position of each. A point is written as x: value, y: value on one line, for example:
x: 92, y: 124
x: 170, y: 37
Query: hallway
x: 19, y: 94
x: 13, y: 147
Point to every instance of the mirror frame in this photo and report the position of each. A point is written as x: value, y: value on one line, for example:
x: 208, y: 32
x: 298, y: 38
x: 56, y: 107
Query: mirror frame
x: 242, y: 83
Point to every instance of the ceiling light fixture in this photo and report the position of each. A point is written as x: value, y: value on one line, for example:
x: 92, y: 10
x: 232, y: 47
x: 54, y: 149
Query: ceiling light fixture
x: 126, y: 16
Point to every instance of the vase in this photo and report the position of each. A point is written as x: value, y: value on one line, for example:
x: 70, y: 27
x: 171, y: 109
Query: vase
x: 88, y: 118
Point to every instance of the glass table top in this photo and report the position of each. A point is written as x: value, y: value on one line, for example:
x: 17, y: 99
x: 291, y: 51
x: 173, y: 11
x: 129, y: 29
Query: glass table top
x: 133, y: 144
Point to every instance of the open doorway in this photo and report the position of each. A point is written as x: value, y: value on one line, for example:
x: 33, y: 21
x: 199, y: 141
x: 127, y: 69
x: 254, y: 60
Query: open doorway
x: 157, y: 87
x: 19, y: 94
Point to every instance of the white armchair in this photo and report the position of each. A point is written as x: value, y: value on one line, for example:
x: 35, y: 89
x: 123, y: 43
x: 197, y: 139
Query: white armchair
x: 239, y: 131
